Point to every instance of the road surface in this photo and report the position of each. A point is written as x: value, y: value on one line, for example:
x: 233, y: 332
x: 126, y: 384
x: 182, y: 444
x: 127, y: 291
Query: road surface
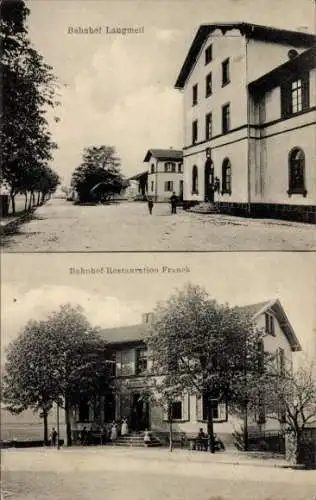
x: 61, y: 226
x: 113, y: 474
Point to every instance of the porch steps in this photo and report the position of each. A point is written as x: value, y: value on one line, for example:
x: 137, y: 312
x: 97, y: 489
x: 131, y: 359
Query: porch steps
x: 205, y: 208
x: 136, y: 440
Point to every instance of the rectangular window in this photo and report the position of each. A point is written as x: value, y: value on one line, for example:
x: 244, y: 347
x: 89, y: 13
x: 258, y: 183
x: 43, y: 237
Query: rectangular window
x: 208, y: 54
x: 213, y: 406
x: 152, y: 186
x: 194, y: 94
x: 168, y: 186
x: 281, y: 360
x: 152, y: 168
x: 180, y: 168
x: 225, y: 72
x: 176, y: 410
x: 295, y: 96
x: 226, y: 118
x: 208, y: 84
x: 194, y: 132
x: 208, y: 126
x: 269, y: 324
x: 127, y: 362
x: 141, y: 361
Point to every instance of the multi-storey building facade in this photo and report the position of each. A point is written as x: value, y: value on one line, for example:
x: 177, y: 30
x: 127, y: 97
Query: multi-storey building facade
x: 164, y: 175
x: 189, y: 411
x: 250, y: 108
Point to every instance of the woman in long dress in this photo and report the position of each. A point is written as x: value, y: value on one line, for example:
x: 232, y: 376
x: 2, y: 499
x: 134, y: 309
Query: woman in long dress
x: 114, y: 432
x: 124, y: 428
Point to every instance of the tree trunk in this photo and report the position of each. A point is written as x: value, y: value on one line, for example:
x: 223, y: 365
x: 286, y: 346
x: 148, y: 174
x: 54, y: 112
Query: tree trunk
x: 45, y: 422
x: 12, y: 196
x: 246, y: 426
x: 25, y: 205
x: 38, y: 198
x: 68, y: 424
x: 170, y: 433
x: 210, y: 423
x: 33, y: 197
x: 30, y: 201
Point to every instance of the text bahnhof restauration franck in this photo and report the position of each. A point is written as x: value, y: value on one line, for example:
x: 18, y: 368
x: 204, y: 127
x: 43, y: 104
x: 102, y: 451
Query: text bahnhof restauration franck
x: 129, y: 270
x: 105, y: 30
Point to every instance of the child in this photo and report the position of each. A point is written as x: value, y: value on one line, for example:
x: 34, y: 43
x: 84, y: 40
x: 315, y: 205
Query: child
x: 146, y: 438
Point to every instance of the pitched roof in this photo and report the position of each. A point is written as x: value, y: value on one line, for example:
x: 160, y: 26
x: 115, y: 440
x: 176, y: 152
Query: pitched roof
x: 302, y: 62
x: 164, y: 154
x: 137, y: 176
x: 137, y: 333
x: 254, y: 31
x: 130, y: 333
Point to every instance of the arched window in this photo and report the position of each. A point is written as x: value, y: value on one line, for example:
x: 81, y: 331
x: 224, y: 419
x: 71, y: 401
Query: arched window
x: 226, y: 177
x: 297, y: 172
x: 195, y: 180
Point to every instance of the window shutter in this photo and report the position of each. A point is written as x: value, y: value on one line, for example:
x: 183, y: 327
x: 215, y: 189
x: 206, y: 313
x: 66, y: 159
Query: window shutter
x: 305, y: 91
x: 199, y: 408
x: 222, y: 411
x: 185, y: 407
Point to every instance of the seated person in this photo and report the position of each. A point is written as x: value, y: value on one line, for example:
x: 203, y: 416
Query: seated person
x: 201, y: 440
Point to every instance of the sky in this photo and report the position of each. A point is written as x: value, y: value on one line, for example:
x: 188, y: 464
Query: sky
x: 33, y: 285
x: 119, y: 90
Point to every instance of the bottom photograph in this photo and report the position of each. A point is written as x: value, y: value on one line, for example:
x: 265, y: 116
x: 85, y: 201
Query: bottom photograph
x: 116, y: 360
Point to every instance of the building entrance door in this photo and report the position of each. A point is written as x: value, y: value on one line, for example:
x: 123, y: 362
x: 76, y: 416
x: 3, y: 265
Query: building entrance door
x: 139, y: 413
x: 208, y: 181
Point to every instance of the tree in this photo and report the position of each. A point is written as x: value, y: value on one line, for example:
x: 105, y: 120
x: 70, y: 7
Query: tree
x: 59, y: 360
x: 292, y: 401
x: 203, y: 347
x: 99, y: 174
x: 29, y: 90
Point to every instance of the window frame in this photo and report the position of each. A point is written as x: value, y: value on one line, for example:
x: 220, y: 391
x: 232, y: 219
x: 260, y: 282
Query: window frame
x: 173, y: 418
x: 195, y: 94
x: 180, y: 167
x: 208, y: 126
x: 208, y: 84
x: 269, y: 324
x: 195, y: 180
x: 286, y: 92
x: 300, y: 190
x: 208, y: 54
x: 139, y: 359
x: 226, y: 72
x: 216, y: 418
x: 226, y: 185
x: 152, y: 168
x: 226, y: 116
x: 166, y: 187
x: 195, y: 132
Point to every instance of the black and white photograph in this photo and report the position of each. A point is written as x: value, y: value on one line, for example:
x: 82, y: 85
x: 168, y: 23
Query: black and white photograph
x: 158, y: 125
x: 173, y: 383
x: 158, y: 250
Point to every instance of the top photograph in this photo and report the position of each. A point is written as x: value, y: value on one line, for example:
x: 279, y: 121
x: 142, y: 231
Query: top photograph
x: 128, y: 127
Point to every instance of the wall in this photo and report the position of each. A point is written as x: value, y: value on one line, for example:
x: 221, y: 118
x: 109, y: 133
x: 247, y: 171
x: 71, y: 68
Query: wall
x: 160, y: 177
x: 231, y: 45
x: 263, y: 56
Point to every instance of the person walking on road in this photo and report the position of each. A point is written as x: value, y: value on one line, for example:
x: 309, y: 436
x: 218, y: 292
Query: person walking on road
x: 53, y: 437
x: 173, y: 201
x: 150, y: 205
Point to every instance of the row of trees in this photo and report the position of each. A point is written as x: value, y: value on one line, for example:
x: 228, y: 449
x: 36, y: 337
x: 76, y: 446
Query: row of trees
x: 195, y: 345
x: 29, y: 89
x: 98, y: 177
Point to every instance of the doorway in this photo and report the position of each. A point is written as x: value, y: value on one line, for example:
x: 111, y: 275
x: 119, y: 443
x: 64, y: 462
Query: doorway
x: 209, y: 181
x: 139, y: 412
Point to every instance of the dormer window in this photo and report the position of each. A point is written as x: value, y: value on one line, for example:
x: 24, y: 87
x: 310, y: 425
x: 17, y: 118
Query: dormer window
x: 269, y: 324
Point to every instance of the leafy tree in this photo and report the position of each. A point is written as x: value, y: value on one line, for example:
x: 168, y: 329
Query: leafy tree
x: 28, y: 89
x: 59, y: 360
x: 292, y: 401
x: 99, y: 174
x: 203, y: 347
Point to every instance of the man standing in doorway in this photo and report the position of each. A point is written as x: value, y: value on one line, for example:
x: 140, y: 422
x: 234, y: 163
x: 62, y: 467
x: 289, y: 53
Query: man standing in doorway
x: 174, y: 202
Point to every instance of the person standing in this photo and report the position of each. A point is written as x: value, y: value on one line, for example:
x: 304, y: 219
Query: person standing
x: 53, y: 437
x: 150, y: 205
x: 147, y: 439
x: 124, y: 428
x: 114, y: 433
x: 173, y: 201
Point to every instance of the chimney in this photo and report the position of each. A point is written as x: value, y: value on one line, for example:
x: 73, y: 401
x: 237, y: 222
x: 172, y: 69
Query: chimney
x: 147, y: 318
